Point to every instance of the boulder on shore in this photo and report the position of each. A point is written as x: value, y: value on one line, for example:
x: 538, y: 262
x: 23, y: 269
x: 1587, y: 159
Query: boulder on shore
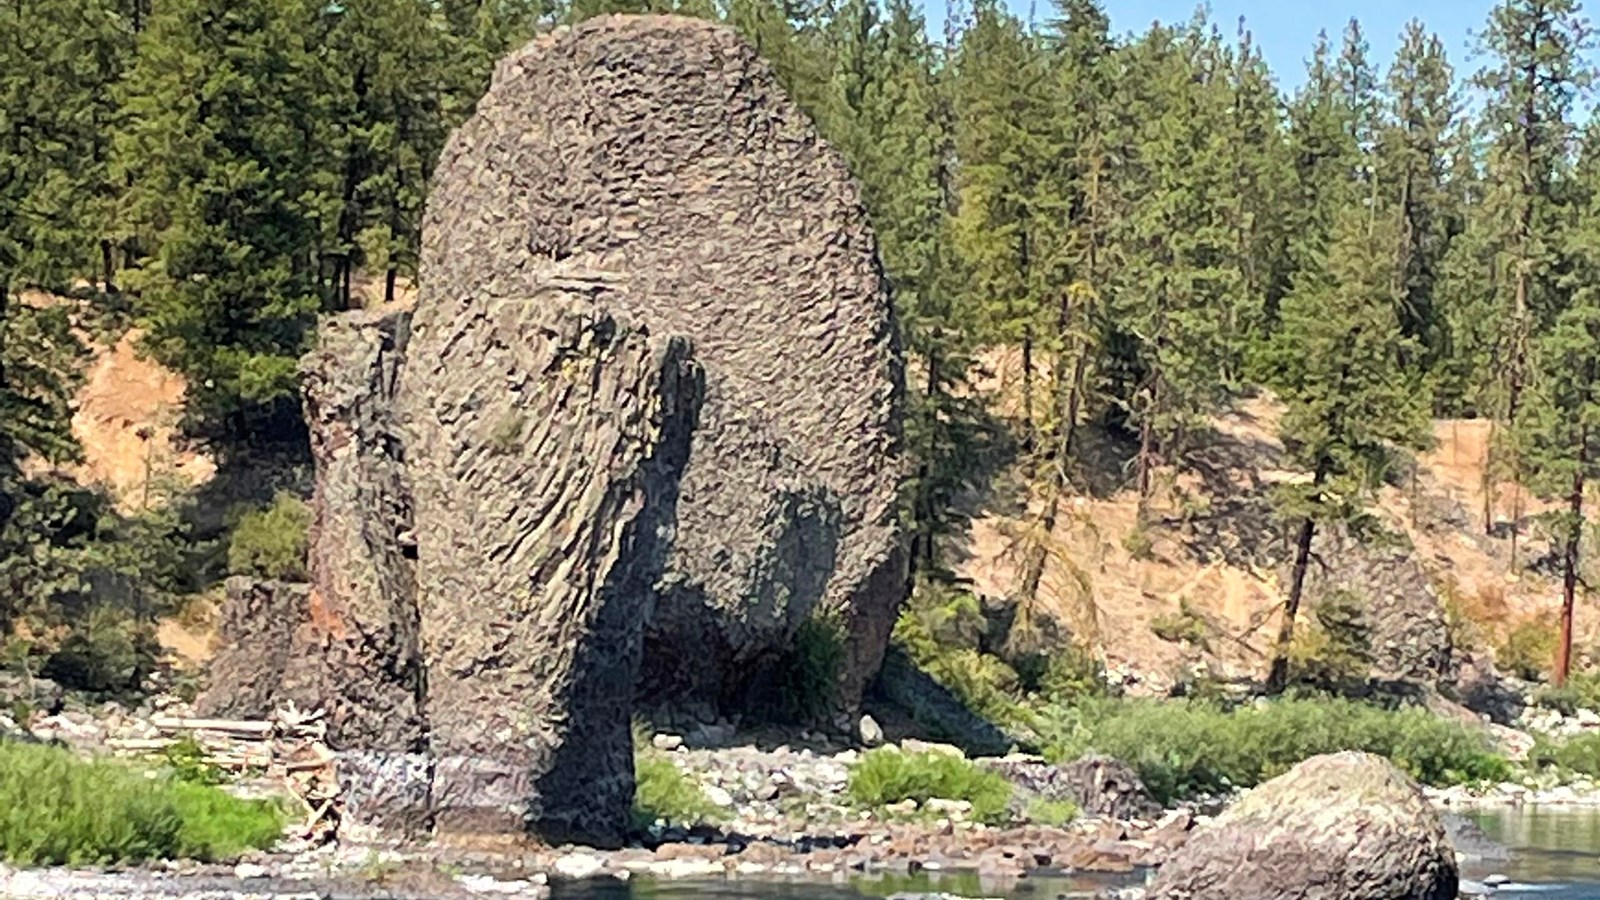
x: 1346, y: 826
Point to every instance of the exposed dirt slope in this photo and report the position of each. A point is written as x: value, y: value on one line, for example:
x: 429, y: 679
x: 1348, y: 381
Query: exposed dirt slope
x: 1204, y: 551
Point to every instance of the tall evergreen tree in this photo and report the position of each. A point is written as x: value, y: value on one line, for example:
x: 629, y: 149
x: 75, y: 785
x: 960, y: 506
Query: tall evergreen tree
x: 1413, y: 166
x: 226, y: 121
x: 1563, y: 416
x: 1349, y: 403
x: 59, y: 61
x: 1536, y: 67
x: 1008, y: 215
x: 1178, y: 282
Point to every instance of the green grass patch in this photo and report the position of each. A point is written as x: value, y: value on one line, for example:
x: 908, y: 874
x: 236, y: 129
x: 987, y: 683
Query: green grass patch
x: 56, y: 809
x: 1579, y: 754
x: 1183, y: 749
x: 887, y: 776
x: 1054, y: 813
x: 663, y: 793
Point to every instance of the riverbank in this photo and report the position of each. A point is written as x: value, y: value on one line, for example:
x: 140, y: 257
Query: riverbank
x: 768, y: 808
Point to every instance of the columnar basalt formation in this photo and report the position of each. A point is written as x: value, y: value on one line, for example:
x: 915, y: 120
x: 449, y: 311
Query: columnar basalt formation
x: 644, y: 413
x: 348, y: 644
x: 661, y: 153
x: 546, y: 447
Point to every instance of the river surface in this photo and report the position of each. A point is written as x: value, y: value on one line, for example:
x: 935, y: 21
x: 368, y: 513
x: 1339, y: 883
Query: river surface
x: 1555, y: 855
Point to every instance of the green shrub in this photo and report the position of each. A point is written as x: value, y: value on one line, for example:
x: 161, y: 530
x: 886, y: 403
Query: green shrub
x: 1528, y: 650
x: 1183, y: 749
x: 56, y: 809
x: 190, y: 763
x: 1580, y: 754
x: 804, y: 682
x: 1183, y: 627
x: 107, y: 651
x: 1334, y: 649
x: 1054, y: 813
x: 1582, y: 691
x: 664, y: 793
x: 1074, y: 674
x: 887, y: 776
x: 271, y: 542
x: 1139, y: 544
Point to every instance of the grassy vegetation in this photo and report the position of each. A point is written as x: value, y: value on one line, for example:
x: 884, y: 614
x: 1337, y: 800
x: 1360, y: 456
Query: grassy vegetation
x: 1182, y: 749
x: 271, y: 542
x: 663, y: 793
x: 1055, y: 813
x: 1579, y: 754
x: 887, y: 776
x: 1582, y: 691
x: 1528, y: 650
x: 56, y: 809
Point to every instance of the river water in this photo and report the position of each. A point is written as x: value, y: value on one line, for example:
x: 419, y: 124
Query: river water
x: 1555, y: 856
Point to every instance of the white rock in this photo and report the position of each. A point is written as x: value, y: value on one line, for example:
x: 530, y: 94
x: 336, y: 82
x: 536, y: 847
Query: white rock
x: 948, y: 807
x: 718, y: 796
x: 245, y: 871
x: 686, y: 868
x: 578, y: 866
x: 871, y: 733
x: 668, y: 742
x: 485, y: 884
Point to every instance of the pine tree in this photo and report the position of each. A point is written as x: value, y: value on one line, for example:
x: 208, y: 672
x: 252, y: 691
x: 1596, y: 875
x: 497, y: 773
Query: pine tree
x: 59, y: 60
x: 1562, y: 420
x: 1324, y: 129
x: 1178, y: 285
x: 226, y: 119
x: 1262, y: 176
x: 901, y: 157
x: 1348, y: 402
x: 1537, y: 51
x: 1412, y: 171
x: 387, y: 78
x: 1007, y: 214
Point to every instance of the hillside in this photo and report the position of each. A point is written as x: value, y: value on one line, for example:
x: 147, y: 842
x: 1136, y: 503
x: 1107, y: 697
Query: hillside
x: 1212, y: 546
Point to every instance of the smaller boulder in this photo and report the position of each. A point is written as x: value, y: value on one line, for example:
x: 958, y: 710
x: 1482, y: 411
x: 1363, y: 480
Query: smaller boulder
x: 1098, y: 785
x: 1346, y: 826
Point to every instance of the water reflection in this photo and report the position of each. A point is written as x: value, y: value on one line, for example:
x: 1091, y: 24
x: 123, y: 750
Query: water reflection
x: 1045, y: 887
x: 1548, y: 844
x: 1555, y: 856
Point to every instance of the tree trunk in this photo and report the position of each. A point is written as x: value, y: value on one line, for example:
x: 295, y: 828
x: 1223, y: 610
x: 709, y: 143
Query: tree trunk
x: 1569, y: 565
x: 1278, y: 678
x: 1027, y: 389
x: 108, y: 266
x: 388, y: 284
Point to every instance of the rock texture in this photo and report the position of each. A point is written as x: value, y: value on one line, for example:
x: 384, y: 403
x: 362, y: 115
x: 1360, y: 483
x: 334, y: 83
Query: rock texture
x: 348, y: 644
x: 1409, y: 633
x: 646, y: 408
x: 656, y: 161
x: 547, y: 441
x: 1348, y: 826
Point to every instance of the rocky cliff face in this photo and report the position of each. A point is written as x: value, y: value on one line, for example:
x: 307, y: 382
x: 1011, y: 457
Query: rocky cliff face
x: 546, y: 445
x: 348, y: 644
x: 659, y: 156
x: 646, y: 407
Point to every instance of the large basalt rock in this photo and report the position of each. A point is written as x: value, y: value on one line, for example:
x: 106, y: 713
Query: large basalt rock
x: 545, y: 447
x: 1408, y: 631
x: 348, y: 643
x: 1348, y: 826
x: 659, y: 155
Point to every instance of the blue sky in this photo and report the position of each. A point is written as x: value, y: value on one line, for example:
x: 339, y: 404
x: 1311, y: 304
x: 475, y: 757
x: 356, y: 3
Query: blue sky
x: 1287, y: 29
